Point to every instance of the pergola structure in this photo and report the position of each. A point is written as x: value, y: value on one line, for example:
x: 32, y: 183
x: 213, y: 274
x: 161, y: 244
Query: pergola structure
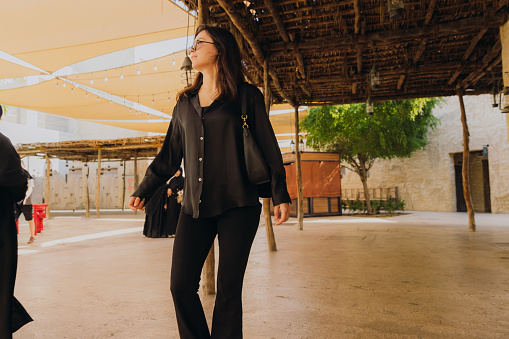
x: 325, y: 52
x: 94, y: 150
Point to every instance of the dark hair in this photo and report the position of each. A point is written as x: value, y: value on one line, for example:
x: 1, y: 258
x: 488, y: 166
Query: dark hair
x: 229, y: 64
x: 1, y: 111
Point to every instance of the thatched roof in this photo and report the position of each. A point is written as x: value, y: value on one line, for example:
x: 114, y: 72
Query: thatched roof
x: 88, y: 150
x: 321, y: 51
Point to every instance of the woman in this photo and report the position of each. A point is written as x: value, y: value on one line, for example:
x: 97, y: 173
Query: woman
x: 13, y: 185
x: 172, y: 206
x: 206, y: 130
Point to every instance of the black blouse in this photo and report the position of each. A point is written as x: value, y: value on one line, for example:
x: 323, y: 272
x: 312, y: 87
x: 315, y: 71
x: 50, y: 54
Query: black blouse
x: 211, y: 144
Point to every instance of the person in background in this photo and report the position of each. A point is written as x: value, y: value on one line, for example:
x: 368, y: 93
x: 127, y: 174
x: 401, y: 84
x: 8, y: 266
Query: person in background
x: 26, y: 207
x: 13, y: 186
x: 173, y: 207
x: 219, y: 200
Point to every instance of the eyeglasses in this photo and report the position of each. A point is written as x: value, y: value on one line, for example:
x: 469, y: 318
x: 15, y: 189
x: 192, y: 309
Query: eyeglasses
x: 196, y: 44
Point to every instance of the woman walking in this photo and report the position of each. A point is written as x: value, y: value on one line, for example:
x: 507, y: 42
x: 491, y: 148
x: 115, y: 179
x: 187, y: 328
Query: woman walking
x: 219, y: 199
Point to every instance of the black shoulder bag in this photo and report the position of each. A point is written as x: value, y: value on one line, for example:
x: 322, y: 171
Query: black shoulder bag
x: 257, y: 170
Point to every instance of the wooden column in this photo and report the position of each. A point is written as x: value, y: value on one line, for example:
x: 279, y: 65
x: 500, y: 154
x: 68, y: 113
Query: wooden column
x: 466, y: 167
x: 209, y: 267
x: 298, y: 168
x: 86, y: 170
x: 48, y: 173
x: 123, y: 184
x: 203, y: 12
x: 98, y: 191
x: 135, y: 175
x: 271, y: 239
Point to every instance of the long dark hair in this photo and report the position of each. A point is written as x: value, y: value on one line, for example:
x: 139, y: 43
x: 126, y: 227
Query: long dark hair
x: 229, y: 64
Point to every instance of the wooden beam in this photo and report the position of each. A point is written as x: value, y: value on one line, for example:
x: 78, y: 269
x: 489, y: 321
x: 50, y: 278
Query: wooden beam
x: 237, y: 20
x: 488, y: 59
x: 203, y: 12
x: 465, y: 166
x: 431, y: 10
x: 465, y: 57
x: 357, y: 10
x: 358, y: 48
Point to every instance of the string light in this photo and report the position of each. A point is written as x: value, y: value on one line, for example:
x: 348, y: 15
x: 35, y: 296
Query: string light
x: 155, y: 67
x: 97, y: 99
x: 138, y: 72
x: 72, y: 90
x: 91, y: 78
x: 106, y: 78
x: 173, y: 62
x: 121, y: 76
x: 57, y: 84
x: 63, y: 84
x: 86, y: 95
x: 91, y: 81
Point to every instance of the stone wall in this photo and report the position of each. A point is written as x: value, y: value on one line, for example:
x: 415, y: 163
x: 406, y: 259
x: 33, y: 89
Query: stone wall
x: 426, y: 181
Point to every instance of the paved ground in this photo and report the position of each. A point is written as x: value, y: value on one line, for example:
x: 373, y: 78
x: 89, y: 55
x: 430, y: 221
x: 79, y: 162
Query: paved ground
x: 419, y: 275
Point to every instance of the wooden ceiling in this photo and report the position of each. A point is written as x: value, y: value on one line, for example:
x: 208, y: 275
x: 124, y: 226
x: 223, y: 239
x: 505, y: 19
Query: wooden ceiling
x: 322, y: 51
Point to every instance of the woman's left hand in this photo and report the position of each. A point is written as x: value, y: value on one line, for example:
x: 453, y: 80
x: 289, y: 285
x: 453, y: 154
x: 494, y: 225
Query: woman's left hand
x: 281, y: 213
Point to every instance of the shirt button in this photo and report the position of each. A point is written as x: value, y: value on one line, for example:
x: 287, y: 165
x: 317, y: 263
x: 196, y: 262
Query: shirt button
x: 199, y: 179
x: 201, y: 138
x: 200, y: 159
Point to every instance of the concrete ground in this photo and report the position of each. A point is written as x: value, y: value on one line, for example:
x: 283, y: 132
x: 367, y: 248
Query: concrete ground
x: 418, y: 275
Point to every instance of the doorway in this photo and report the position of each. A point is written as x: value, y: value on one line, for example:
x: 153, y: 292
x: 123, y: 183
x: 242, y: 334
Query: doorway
x: 479, y: 182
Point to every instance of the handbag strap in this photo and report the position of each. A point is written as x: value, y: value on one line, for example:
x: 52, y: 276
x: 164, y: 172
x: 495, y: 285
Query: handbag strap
x: 243, y: 104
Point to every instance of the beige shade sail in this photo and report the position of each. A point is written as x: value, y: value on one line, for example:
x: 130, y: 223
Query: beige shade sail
x: 12, y: 70
x: 53, y: 34
x: 142, y: 126
x: 156, y: 86
x: 70, y: 102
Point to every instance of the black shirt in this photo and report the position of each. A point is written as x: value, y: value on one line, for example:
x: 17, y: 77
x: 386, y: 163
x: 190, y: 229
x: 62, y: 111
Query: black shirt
x: 211, y: 144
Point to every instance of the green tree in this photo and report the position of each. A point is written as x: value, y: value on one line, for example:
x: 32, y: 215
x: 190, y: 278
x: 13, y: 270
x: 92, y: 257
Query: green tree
x: 397, y: 129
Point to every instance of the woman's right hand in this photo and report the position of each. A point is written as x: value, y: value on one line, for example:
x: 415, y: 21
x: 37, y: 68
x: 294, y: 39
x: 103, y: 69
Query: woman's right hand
x: 136, y: 203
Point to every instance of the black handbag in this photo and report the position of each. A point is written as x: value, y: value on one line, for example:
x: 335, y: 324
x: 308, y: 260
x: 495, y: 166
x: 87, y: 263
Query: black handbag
x: 257, y: 170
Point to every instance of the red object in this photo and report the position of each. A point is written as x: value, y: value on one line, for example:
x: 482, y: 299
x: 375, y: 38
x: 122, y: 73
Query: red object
x: 17, y: 226
x: 40, y: 211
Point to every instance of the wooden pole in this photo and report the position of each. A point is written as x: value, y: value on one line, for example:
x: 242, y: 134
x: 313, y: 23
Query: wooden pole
x: 123, y: 186
x: 298, y: 168
x: 209, y: 267
x: 87, y: 195
x: 466, y: 167
x: 48, y: 173
x: 271, y: 239
x: 98, y: 191
x: 135, y: 174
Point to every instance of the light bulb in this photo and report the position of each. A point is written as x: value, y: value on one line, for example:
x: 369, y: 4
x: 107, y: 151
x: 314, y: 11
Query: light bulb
x: 57, y: 84
x: 138, y: 72
x: 106, y: 78
x: 72, y: 90
x: 155, y: 67
x: 121, y: 75
x: 152, y: 101
x: 86, y: 95
x: 173, y: 62
x: 91, y: 81
x: 63, y: 84
x: 97, y: 99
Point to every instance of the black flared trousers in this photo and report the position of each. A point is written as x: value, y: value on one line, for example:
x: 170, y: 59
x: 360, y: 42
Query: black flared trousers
x: 236, y: 230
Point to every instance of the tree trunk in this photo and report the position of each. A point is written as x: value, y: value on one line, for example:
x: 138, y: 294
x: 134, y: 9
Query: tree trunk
x: 466, y: 167
x: 363, y: 173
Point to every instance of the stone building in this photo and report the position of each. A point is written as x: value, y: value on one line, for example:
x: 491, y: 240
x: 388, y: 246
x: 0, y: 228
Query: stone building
x: 430, y: 180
